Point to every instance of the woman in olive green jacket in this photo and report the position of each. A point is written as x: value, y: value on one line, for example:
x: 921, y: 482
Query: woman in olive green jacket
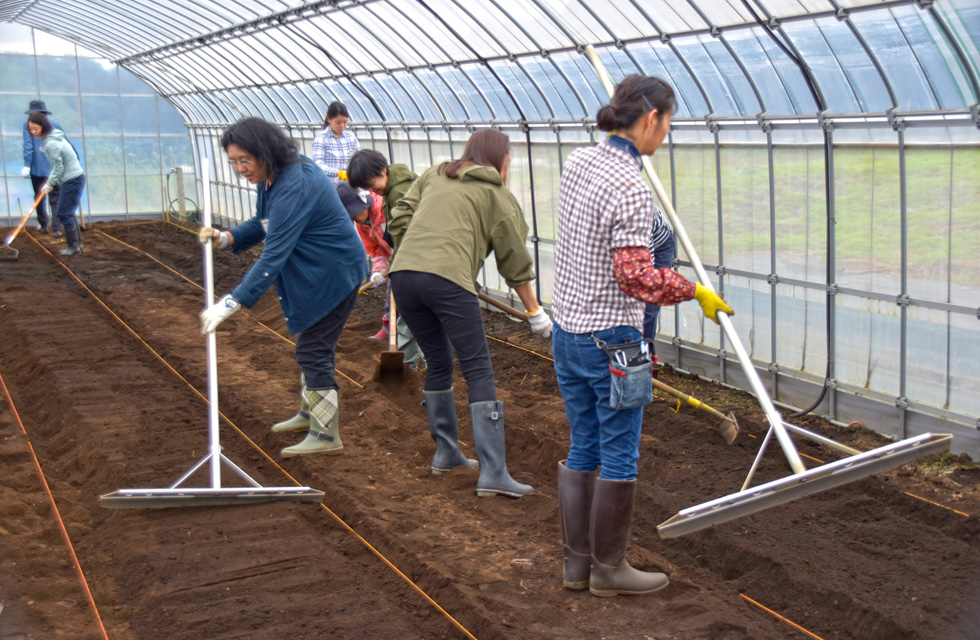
x: 444, y: 228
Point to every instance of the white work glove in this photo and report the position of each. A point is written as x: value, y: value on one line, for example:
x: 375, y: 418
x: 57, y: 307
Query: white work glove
x: 219, y: 239
x: 540, y: 323
x: 216, y: 313
x: 25, y: 172
x: 377, y: 279
x: 47, y: 188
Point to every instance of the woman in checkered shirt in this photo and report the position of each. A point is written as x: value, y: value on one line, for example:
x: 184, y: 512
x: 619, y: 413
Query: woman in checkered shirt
x: 333, y: 147
x: 603, y: 279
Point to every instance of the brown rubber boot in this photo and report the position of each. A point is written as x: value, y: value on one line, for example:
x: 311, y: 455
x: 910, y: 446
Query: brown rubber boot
x: 612, y: 512
x: 575, y: 490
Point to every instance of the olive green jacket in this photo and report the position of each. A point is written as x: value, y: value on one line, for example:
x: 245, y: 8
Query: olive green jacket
x: 400, y: 179
x: 449, y: 226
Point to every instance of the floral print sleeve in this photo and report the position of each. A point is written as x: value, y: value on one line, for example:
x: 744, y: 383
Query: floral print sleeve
x: 638, y: 279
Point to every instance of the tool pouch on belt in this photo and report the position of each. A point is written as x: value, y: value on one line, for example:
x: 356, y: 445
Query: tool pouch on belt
x: 630, y: 369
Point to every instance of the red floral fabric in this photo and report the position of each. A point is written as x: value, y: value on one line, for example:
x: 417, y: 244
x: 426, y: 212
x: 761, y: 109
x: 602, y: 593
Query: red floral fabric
x: 638, y: 279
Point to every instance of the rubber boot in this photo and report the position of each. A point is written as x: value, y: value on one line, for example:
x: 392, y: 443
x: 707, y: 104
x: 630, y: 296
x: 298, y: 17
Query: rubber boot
x: 441, y: 407
x: 488, y: 434
x: 324, y: 433
x: 74, y: 241
x: 612, y: 512
x: 298, y: 422
x: 575, y: 489
x: 382, y: 333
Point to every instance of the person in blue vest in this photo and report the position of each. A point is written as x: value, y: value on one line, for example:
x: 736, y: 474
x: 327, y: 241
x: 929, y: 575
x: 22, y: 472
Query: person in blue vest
x: 38, y: 168
x: 313, y: 255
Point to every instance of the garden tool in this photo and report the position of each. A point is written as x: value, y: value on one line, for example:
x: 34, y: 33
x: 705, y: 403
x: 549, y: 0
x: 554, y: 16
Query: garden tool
x: 392, y: 363
x: 217, y: 493
x: 520, y: 315
x: 6, y: 251
x: 728, y: 428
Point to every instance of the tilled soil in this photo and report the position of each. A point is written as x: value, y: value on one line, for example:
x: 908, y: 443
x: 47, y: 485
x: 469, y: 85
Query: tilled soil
x: 106, y: 407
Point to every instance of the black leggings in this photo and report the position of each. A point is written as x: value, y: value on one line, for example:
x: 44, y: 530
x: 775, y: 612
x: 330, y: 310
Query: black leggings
x: 316, y: 346
x: 442, y: 316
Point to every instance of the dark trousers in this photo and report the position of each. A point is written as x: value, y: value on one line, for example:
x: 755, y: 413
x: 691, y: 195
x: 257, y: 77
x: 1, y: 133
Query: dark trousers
x: 442, y: 316
x: 316, y: 347
x: 663, y: 256
x: 42, y: 211
x: 71, y: 195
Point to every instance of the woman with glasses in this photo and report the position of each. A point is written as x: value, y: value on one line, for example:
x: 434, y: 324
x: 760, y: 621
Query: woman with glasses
x: 313, y: 255
x: 334, y: 145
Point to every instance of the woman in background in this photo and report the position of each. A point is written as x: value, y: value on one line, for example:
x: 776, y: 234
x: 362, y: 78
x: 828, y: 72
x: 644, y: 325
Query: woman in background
x: 334, y: 146
x: 66, y: 172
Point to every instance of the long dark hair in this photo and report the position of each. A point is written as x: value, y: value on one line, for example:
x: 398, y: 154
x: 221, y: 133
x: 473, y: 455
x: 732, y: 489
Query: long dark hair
x: 635, y: 96
x: 335, y: 109
x: 39, y: 118
x: 264, y: 141
x: 487, y: 147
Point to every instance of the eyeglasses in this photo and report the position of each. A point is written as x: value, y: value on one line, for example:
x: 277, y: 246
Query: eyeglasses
x: 241, y: 163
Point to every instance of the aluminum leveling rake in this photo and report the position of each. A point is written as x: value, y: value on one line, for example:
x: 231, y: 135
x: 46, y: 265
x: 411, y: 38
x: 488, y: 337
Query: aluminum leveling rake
x: 802, y: 482
x: 177, y: 496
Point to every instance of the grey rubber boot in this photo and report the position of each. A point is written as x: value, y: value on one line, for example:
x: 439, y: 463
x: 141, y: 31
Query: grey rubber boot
x: 74, y: 241
x: 441, y: 406
x: 488, y: 434
x: 612, y: 512
x: 575, y: 489
x: 324, y: 433
x: 298, y: 422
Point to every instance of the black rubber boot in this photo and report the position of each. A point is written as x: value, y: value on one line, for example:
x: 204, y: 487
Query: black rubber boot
x: 441, y: 406
x: 74, y: 241
x: 575, y: 489
x: 488, y: 434
x: 612, y: 512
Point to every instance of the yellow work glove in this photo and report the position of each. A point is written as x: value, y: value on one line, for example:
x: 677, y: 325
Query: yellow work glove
x: 342, y: 175
x: 711, y: 303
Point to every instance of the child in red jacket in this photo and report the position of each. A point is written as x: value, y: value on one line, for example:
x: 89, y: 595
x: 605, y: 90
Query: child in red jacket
x: 369, y: 220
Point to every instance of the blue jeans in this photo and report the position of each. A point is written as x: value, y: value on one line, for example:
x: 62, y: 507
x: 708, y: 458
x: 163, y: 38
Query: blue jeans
x: 663, y: 256
x: 600, y: 436
x: 71, y: 195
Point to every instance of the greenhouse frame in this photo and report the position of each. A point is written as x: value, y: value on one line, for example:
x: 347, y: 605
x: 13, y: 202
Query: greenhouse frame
x: 823, y: 157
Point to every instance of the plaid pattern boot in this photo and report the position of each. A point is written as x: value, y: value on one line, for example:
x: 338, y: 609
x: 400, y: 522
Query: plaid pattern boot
x: 324, y: 433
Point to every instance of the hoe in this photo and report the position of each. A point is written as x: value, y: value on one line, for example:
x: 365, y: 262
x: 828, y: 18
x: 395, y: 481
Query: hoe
x: 177, y: 496
x: 6, y: 251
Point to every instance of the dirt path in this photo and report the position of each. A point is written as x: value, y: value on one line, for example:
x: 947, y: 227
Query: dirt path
x: 862, y: 561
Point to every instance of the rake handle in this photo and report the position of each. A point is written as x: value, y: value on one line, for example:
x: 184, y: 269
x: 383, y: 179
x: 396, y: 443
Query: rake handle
x: 694, y: 402
x: 520, y: 315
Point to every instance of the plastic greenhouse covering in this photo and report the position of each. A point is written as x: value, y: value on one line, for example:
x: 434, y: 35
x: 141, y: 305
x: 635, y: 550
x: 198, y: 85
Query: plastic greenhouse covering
x: 823, y: 157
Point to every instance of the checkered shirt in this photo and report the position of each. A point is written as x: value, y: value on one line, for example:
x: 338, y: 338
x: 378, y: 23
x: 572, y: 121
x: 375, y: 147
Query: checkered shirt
x: 332, y: 154
x: 604, y: 205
